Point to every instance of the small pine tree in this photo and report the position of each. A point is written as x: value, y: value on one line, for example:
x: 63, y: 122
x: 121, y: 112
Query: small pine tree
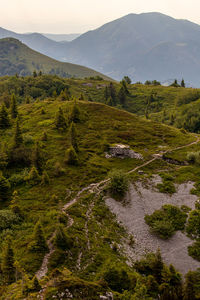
x: 44, y: 137
x: 13, y: 107
x: 14, y: 204
x: 73, y: 136
x: 106, y: 94
x: 122, y: 96
x: 182, y: 83
x: 61, y: 240
x: 75, y: 113
x: 110, y: 101
x: 54, y: 94
x: 81, y: 97
x: 35, y: 284
x: 7, y: 266
x: 4, y: 118
x: 37, y: 158
x: 189, y: 292
x: 34, y: 74
x: 4, y: 188
x: 27, y: 100
x: 60, y: 121
x: 39, y: 243
x: 33, y: 176
x: 18, y: 139
x: 72, y: 158
x: 3, y: 157
x: 45, y: 178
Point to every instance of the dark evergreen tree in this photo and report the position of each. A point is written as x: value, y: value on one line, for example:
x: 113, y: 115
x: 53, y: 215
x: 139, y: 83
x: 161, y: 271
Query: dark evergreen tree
x: 4, y: 188
x: 39, y: 243
x: 112, y: 93
x: 182, y: 83
x: 75, y: 113
x: 60, y: 121
x: 123, y: 84
x: 73, y: 136
x: 37, y: 158
x: 192, y: 284
x: 18, y: 139
x: 110, y: 101
x: 7, y: 266
x: 72, y: 158
x: 34, y: 74
x: 35, y: 284
x: 33, y: 177
x: 61, y: 240
x: 4, y: 118
x: 45, y: 178
x: 44, y: 137
x: 106, y: 94
x: 122, y: 96
x: 127, y: 79
x: 13, y: 107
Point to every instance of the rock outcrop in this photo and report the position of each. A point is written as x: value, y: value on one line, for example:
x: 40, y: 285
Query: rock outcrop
x: 122, y: 151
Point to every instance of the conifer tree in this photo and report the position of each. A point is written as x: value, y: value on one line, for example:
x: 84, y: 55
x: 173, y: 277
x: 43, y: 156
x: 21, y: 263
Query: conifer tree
x: 61, y: 240
x: 110, y: 101
x: 37, y: 157
x: 39, y: 243
x: 44, y: 137
x: 18, y: 139
x: 189, y: 286
x: 7, y: 266
x: 182, y: 83
x: 60, y: 121
x: 122, y: 96
x: 33, y: 176
x: 35, y: 284
x: 45, y: 178
x: 72, y: 158
x: 3, y: 157
x: 13, y: 107
x: 4, y: 188
x: 4, y: 118
x: 106, y: 93
x: 75, y: 113
x: 73, y: 137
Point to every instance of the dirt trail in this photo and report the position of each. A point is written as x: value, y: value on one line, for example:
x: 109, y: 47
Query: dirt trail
x: 95, y: 188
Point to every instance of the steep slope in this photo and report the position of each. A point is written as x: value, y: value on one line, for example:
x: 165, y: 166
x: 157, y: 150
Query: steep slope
x: 16, y: 57
x: 70, y: 196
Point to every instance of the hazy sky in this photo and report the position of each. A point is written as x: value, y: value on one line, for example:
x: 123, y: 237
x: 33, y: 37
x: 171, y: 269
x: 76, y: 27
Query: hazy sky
x: 74, y: 16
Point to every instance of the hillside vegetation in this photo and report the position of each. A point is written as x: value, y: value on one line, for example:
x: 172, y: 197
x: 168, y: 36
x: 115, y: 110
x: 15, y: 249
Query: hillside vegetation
x: 52, y: 149
x: 16, y: 57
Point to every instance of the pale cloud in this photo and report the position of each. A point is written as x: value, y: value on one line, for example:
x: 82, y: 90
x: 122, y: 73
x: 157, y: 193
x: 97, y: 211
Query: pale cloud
x: 67, y: 16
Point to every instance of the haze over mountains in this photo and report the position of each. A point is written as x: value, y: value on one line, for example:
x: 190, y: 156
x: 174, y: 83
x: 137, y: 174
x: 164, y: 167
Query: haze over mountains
x: 145, y: 46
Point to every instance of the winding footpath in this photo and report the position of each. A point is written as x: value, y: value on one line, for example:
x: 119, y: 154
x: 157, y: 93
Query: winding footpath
x: 96, y: 188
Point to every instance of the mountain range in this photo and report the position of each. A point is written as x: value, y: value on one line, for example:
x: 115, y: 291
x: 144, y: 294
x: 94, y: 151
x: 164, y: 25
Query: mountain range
x: 142, y: 46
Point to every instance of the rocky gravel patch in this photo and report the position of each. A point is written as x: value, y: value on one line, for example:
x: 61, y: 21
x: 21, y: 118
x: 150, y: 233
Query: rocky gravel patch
x: 143, y: 199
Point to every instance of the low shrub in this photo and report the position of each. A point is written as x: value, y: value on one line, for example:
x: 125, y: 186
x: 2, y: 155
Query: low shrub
x: 165, y: 221
x: 118, y: 183
x: 194, y: 250
x: 167, y: 186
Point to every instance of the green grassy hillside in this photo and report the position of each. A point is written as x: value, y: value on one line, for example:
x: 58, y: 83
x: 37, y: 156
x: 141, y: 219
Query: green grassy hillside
x: 39, y: 178
x: 16, y: 57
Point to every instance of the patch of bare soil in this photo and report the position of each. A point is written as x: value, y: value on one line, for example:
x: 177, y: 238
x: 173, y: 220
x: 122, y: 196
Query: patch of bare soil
x: 145, y: 199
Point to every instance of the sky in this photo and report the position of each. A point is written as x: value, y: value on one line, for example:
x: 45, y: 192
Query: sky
x: 78, y: 16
